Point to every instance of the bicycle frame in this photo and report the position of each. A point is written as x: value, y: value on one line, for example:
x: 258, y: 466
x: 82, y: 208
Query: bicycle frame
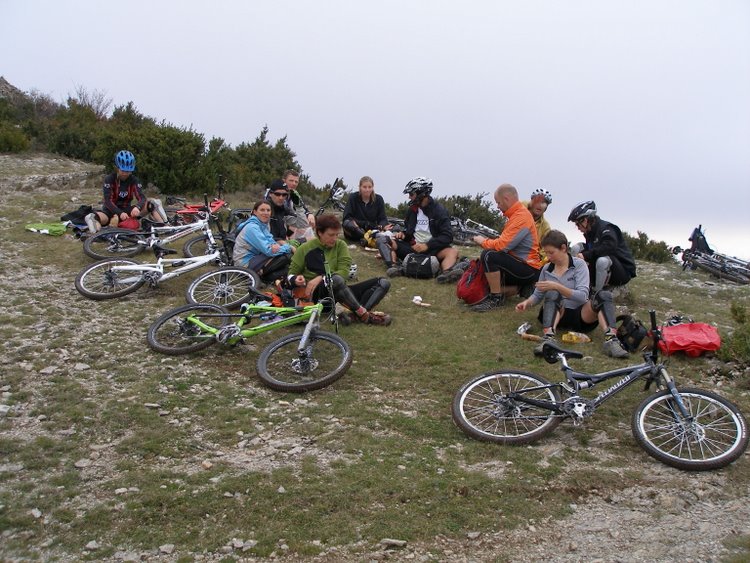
x: 234, y: 333
x: 155, y: 272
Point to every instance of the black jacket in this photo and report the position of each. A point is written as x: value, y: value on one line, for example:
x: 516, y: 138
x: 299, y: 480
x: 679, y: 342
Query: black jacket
x: 367, y: 215
x: 440, y: 225
x: 605, y: 239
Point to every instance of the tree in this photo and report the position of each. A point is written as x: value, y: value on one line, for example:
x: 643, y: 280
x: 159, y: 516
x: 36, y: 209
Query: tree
x: 96, y: 100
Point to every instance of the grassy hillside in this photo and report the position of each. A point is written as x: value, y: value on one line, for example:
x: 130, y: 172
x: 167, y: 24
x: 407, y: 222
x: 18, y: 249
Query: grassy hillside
x: 108, y: 449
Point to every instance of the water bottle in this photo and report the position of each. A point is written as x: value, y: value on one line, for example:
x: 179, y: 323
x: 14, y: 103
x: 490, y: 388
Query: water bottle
x: 574, y: 337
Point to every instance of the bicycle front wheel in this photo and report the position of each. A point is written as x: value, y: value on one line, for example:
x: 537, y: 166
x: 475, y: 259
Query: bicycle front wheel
x: 283, y: 367
x: 228, y: 286
x: 101, y: 280
x: 483, y: 410
x: 173, y: 333
x: 114, y: 243
x: 712, y: 436
x: 196, y: 246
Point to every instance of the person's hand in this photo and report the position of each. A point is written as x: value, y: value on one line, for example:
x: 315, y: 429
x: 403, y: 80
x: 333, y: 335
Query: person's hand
x: 546, y: 285
x: 398, y: 236
x: 420, y: 247
x: 312, y: 285
x: 387, y: 227
x: 299, y: 280
x: 311, y: 220
x: 522, y: 306
x: 580, y: 255
x: 135, y: 212
x: 275, y: 248
x: 123, y: 216
x: 479, y: 239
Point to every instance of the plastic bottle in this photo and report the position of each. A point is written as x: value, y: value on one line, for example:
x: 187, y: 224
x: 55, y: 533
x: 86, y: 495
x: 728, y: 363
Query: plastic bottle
x: 573, y: 337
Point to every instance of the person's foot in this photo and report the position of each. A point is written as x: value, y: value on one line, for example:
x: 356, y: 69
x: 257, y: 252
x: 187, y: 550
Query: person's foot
x: 492, y: 301
x: 449, y: 276
x: 92, y: 223
x: 539, y: 348
x: 394, y: 271
x: 613, y: 348
x: 379, y: 318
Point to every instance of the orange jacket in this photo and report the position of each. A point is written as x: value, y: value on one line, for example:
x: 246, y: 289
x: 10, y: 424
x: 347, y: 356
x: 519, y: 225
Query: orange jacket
x: 519, y: 238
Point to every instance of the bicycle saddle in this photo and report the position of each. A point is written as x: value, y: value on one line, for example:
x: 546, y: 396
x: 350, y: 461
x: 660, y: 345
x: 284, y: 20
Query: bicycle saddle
x: 551, y: 350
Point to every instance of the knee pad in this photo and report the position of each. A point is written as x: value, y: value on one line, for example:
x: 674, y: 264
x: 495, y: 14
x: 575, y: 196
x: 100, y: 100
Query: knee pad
x: 378, y: 292
x: 601, y: 298
x: 602, y: 270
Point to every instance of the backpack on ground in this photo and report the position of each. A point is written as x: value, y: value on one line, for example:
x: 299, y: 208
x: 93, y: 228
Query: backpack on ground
x: 631, y: 332
x: 423, y: 266
x: 473, y: 286
x: 77, y: 217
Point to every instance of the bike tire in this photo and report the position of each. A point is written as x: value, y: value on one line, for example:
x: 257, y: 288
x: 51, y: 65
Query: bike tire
x: 482, y: 410
x: 227, y: 286
x: 196, y: 246
x: 114, y: 243
x: 97, y: 281
x: 715, y: 438
x: 716, y: 270
x: 279, y: 365
x: 171, y: 334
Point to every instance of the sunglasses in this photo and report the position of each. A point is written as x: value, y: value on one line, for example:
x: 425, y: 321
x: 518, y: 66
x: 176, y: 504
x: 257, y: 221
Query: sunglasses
x: 280, y: 194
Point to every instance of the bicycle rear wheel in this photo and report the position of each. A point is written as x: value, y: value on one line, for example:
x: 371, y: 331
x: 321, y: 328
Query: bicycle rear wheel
x: 114, y: 243
x: 196, y: 246
x: 714, y: 435
x: 101, y: 280
x: 174, y: 334
x: 283, y: 367
x: 228, y: 286
x: 483, y: 410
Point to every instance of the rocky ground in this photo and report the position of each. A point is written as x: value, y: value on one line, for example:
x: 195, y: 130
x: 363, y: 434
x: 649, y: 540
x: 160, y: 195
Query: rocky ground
x: 673, y: 517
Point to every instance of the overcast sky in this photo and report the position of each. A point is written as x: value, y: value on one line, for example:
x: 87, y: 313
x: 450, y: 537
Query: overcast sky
x: 643, y: 106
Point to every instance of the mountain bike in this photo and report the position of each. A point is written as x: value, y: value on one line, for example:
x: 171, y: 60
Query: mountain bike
x: 302, y: 361
x: 701, y: 256
x: 335, y: 198
x: 190, y: 212
x: 227, y: 285
x: 464, y: 230
x: 683, y: 427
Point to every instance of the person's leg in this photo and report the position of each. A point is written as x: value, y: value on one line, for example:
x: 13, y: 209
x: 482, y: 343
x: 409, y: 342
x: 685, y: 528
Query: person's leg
x: 448, y: 257
x: 370, y: 292
x: 352, y: 231
x: 601, y: 272
x: 604, y: 306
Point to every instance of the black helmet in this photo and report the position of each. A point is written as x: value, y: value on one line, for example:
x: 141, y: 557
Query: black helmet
x: 419, y: 186
x: 582, y: 210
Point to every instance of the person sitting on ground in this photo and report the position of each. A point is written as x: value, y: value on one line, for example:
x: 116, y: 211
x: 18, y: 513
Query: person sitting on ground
x: 256, y: 248
x: 537, y: 205
x: 605, y: 251
x: 563, y: 287
x: 427, y: 231
x: 511, y: 261
x: 364, y: 211
x: 308, y: 269
x: 295, y: 202
x: 277, y: 196
x: 120, y: 189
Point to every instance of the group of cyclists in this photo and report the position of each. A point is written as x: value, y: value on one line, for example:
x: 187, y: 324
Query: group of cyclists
x: 283, y: 242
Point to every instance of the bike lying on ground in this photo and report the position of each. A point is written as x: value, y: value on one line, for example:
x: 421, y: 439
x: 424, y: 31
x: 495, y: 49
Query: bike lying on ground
x: 722, y: 266
x: 303, y: 361
x: 227, y: 285
x: 335, y: 198
x: 686, y: 428
x: 464, y: 230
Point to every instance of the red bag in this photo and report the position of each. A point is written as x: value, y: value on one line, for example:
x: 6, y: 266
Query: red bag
x: 473, y: 286
x: 130, y: 223
x: 691, y: 338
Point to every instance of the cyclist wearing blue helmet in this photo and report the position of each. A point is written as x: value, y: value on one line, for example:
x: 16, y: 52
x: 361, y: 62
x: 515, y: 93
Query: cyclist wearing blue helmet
x: 120, y: 190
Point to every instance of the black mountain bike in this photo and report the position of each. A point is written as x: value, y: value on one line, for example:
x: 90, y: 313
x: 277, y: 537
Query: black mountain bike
x: 686, y: 428
x: 701, y: 256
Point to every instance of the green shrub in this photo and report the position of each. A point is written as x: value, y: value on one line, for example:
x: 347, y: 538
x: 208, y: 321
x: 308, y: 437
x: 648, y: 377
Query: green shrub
x: 737, y: 346
x: 650, y: 250
x: 12, y: 139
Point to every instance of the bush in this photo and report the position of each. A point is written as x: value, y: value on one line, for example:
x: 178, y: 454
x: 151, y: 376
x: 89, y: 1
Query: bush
x: 650, y: 250
x: 737, y: 346
x: 12, y: 139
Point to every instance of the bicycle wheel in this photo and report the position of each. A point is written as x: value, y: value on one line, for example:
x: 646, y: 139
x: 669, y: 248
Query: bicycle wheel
x: 483, y: 410
x: 227, y: 286
x: 196, y: 246
x: 101, y: 281
x: 723, y: 273
x: 174, y: 334
x: 713, y: 436
x: 283, y: 367
x: 113, y: 243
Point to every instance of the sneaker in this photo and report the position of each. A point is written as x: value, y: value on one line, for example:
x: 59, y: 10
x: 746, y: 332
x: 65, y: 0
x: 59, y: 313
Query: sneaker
x: 489, y: 303
x: 539, y: 348
x: 613, y: 348
x: 92, y: 223
x: 394, y: 271
x: 345, y: 319
x: 526, y: 291
x: 449, y: 276
x: 378, y: 318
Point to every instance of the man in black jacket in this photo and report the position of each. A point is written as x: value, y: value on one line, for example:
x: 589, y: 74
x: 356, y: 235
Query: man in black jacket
x: 427, y: 230
x: 605, y: 251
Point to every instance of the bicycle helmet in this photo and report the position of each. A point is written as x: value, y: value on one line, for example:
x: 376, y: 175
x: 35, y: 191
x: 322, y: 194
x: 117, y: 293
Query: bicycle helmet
x: 125, y: 161
x: 419, y: 186
x: 544, y: 193
x: 582, y: 210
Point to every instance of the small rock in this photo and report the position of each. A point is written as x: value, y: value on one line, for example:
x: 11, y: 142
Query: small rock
x: 249, y: 544
x: 390, y: 542
x: 151, y: 405
x: 473, y: 535
x: 48, y: 370
x: 207, y: 464
x: 92, y: 545
x: 81, y: 367
x: 4, y: 410
x: 281, y: 490
x: 36, y: 513
x: 82, y: 463
x: 167, y: 548
x: 121, y: 491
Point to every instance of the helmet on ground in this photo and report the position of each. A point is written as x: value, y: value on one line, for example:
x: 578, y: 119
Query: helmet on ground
x: 582, y: 210
x: 419, y: 186
x: 353, y: 272
x: 544, y: 193
x: 125, y: 161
